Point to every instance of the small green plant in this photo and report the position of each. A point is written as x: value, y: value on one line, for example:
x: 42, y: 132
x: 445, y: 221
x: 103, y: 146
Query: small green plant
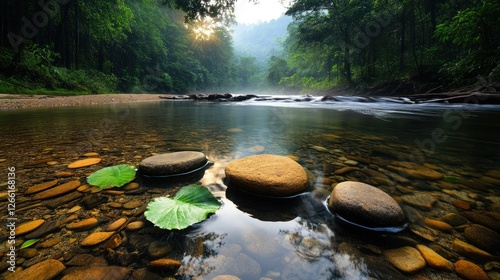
x: 112, y: 176
x: 28, y: 243
x: 191, y: 204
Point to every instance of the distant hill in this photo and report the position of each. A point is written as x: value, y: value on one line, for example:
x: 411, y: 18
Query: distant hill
x: 260, y: 40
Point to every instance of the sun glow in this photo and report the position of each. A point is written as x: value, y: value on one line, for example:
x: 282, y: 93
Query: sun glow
x: 203, y: 29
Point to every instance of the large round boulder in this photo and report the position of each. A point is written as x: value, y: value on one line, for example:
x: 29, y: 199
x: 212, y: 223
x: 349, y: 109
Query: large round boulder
x: 366, y: 206
x: 172, y: 163
x: 267, y: 175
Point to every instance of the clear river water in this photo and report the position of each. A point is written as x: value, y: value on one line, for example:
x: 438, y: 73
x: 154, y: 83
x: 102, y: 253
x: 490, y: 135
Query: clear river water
x: 382, y: 140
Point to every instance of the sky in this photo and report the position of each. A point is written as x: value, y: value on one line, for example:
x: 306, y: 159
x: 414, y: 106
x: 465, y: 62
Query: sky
x: 250, y: 13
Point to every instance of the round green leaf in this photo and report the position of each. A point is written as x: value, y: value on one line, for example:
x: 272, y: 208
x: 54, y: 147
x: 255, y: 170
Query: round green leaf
x: 112, y: 176
x: 191, y: 204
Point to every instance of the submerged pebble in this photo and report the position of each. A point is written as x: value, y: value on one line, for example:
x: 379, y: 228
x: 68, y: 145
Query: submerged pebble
x: 406, y: 259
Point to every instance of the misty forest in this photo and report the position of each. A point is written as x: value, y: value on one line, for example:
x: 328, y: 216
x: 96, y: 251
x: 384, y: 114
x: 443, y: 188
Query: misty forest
x: 173, y: 46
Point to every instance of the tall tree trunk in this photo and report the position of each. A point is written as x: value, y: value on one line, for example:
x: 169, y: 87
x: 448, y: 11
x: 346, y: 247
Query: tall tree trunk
x: 100, y: 57
x: 77, y: 36
x: 413, y: 35
x: 66, y: 51
x: 347, y: 56
x: 402, y: 39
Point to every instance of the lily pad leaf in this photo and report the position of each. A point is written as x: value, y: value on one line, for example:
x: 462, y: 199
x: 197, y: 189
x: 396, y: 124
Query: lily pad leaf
x: 28, y: 243
x: 190, y: 205
x: 112, y: 176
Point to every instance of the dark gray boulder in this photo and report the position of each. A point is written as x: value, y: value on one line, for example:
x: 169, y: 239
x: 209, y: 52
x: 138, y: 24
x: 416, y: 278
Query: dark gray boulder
x: 366, y: 206
x: 172, y: 163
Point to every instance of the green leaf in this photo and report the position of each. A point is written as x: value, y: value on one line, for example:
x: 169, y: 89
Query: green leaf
x: 191, y: 204
x: 449, y: 179
x: 112, y: 176
x: 28, y: 243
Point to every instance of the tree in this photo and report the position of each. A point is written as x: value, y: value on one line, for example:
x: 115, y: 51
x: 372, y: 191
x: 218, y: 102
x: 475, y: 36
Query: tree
x: 476, y: 31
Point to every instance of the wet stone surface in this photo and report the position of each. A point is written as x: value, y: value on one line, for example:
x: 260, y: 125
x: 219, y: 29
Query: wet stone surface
x: 172, y: 163
x: 367, y: 206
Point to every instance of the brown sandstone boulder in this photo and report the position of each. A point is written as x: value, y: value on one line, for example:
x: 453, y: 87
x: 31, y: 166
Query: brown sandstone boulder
x: 267, y: 175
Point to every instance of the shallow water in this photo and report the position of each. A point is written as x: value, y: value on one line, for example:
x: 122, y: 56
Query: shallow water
x: 252, y: 237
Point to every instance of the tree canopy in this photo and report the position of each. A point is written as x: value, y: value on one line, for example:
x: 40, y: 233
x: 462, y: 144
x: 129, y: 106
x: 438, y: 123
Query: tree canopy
x: 423, y: 42
x: 116, y: 45
x: 179, y: 46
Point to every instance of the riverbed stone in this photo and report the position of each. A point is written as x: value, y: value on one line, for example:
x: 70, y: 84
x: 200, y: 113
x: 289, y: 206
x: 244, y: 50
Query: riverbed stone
x: 64, y: 174
x: 84, y: 163
x: 424, y: 201
x: 351, y: 162
x: 172, y: 163
x: 96, y: 238
x: 494, y: 173
x: 159, y: 249
x: 50, y: 242
x: 462, y: 204
x: 365, y: 205
x: 28, y: 226
x: 58, y: 190
x: 483, y: 237
x: 471, y: 251
x: 132, y: 204
x: 439, y: 225
x: 470, y: 271
x: 41, y: 187
x: 80, y: 260
x: 44, y: 229
x: 346, y: 169
x: 454, y: 219
x: 83, y: 225
x: 406, y: 259
x: 268, y: 175
x: 116, y: 224
x: 433, y: 259
x: 99, y: 272
x: 415, y: 171
x: 320, y: 149
x: 130, y: 186
x: 44, y: 270
x: 137, y: 225
x: 164, y: 265
x: 113, y: 242
x: 482, y: 219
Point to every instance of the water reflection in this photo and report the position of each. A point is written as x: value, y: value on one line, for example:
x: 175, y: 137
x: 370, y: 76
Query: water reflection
x: 243, y: 245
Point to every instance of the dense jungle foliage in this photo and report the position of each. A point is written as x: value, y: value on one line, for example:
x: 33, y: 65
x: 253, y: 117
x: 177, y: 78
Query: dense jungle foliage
x: 176, y: 46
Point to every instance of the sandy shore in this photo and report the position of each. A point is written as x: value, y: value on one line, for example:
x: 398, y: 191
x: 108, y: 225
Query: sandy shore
x: 18, y: 101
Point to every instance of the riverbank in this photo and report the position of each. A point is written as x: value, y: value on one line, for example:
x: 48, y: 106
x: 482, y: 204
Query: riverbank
x: 19, y: 101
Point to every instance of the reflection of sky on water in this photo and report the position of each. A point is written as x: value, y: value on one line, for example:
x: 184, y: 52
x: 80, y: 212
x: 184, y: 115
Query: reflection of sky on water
x: 236, y: 243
